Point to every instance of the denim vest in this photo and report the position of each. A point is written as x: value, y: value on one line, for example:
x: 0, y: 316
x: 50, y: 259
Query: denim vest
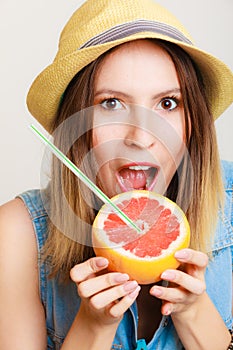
x: 61, y: 301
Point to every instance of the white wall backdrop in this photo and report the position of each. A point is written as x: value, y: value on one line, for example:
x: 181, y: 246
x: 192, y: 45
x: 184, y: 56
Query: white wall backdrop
x: 29, y: 32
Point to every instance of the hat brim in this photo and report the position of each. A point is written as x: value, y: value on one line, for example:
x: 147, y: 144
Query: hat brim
x: 45, y: 93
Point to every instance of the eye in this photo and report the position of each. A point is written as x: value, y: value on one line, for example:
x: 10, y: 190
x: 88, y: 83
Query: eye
x: 168, y: 103
x: 111, y: 104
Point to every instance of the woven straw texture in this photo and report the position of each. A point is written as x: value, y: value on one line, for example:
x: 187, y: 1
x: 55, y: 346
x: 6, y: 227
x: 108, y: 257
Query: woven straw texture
x: 96, y: 17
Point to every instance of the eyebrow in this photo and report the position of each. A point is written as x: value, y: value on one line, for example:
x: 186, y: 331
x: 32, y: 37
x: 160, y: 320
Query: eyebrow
x: 120, y: 93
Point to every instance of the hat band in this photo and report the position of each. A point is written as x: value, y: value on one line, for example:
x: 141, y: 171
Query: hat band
x: 126, y: 29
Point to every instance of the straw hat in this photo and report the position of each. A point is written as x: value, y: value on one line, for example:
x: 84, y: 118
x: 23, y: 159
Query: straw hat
x: 99, y: 25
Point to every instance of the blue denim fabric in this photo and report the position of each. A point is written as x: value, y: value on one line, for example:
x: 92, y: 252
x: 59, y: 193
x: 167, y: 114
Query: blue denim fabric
x: 61, y: 301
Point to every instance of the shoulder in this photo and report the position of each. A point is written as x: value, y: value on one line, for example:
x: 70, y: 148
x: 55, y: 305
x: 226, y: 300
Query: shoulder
x: 17, y: 238
x: 19, y: 278
x: 14, y: 215
x: 18, y: 246
x: 25, y: 218
x: 16, y: 229
x: 36, y: 201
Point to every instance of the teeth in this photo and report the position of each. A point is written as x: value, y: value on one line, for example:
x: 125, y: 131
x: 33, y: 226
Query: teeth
x: 139, y: 167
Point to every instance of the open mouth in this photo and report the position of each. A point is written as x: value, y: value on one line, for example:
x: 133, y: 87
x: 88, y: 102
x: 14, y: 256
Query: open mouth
x: 137, y: 177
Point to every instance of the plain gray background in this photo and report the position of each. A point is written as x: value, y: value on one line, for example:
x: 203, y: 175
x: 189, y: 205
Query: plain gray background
x: 29, y: 37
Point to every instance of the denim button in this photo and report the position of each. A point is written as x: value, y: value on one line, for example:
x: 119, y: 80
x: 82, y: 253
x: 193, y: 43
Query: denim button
x: 165, y: 323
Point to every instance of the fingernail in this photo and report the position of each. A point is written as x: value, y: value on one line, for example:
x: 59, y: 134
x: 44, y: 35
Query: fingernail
x: 135, y: 292
x: 168, y: 275
x: 101, y: 262
x: 182, y: 254
x: 168, y: 311
x: 123, y: 277
x: 128, y: 286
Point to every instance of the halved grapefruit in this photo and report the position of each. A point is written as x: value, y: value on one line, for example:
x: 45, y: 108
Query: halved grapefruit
x: 145, y: 255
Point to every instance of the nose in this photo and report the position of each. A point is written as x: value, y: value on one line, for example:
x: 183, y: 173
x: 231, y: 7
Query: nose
x: 139, y: 132
x: 139, y: 137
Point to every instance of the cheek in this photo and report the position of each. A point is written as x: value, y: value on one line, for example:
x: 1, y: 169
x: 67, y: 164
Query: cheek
x: 107, y: 142
x: 174, y: 147
x: 104, y: 145
x: 177, y: 140
x: 96, y: 137
x: 104, y: 134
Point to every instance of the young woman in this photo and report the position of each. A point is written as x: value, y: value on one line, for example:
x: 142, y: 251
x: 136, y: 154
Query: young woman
x: 132, y: 101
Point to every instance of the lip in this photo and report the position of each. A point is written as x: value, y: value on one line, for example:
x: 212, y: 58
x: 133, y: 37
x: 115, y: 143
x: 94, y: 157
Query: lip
x: 141, y: 165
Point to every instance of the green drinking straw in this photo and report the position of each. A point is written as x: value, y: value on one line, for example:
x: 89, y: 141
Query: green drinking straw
x: 67, y: 162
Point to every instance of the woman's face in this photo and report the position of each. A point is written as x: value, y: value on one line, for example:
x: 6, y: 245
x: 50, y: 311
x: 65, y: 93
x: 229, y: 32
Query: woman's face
x: 138, y: 131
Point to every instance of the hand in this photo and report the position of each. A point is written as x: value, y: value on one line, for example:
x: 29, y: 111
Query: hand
x: 186, y: 286
x: 106, y: 296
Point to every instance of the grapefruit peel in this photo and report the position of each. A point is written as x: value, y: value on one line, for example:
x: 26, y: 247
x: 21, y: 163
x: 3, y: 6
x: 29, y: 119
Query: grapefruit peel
x: 141, y: 255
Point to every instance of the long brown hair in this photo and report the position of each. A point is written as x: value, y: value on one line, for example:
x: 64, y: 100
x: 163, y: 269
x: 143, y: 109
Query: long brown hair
x: 196, y: 188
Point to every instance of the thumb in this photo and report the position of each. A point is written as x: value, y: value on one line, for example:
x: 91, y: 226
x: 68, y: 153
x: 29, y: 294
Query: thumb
x: 88, y: 269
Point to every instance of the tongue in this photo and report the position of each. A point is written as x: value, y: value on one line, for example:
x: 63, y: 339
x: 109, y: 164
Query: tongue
x: 133, y: 178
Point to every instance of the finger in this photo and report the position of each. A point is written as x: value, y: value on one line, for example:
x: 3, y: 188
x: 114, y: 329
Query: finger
x: 173, y: 295
x: 190, y: 256
x: 101, y: 300
x: 97, y: 284
x: 120, y: 308
x: 167, y: 308
x: 190, y: 283
x: 87, y: 269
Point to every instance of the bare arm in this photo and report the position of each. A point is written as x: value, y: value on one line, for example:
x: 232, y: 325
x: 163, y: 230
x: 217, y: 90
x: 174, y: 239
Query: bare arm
x: 197, y: 321
x: 22, y: 319
x: 202, y: 327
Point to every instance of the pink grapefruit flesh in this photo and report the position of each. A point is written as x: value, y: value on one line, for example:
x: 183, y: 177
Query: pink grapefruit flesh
x: 145, y: 255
